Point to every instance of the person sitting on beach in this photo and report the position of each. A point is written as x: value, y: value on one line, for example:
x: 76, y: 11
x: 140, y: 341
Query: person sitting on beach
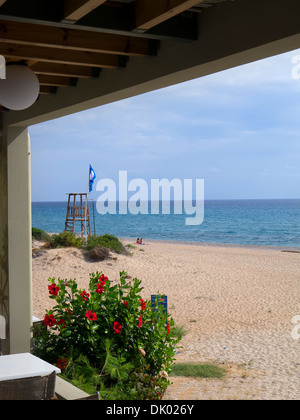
x: 138, y: 241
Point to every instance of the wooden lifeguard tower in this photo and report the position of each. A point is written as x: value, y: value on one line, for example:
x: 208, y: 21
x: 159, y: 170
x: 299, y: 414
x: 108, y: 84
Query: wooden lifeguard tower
x: 78, y: 211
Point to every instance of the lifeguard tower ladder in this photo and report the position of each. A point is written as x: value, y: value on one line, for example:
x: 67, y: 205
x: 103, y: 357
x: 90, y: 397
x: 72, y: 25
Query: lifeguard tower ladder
x: 78, y: 212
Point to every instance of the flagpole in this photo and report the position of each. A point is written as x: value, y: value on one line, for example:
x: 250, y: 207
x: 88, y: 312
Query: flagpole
x: 86, y: 204
x: 92, y: 177
x: 93, y: 201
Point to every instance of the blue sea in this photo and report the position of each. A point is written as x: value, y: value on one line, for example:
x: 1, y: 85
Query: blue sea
x: 236, y: 222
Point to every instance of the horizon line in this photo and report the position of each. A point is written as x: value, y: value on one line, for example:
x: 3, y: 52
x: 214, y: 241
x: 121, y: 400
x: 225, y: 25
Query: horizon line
x: 172, y: 201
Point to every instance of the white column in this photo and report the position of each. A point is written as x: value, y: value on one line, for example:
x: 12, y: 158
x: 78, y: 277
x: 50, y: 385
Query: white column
x: 4, y: 292
x: 19, y: 239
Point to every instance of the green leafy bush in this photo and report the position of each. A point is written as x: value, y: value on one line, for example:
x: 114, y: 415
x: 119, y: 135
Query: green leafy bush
x: 97, y: 253
x: 40, y: 235
x: 66, y: 239
x: 108, y: 338
x: 105, y: 241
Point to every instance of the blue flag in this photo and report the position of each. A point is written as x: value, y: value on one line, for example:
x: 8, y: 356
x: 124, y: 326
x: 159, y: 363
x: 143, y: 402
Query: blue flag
x: 92, y: 178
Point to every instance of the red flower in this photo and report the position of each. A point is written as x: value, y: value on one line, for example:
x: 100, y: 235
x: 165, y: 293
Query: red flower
x: 118, y: 327
x: 62, y: 364
x: 62, y: 322
x: 143, y: 304
x: 92, y: 316
x: 168, y: 327
x: 140, y: 321
x: 49, y: 320
x: 125, y: 303
x: 85, y: 296
x: 53, y: 289
x: 99, y: 288
x: 103, y: 279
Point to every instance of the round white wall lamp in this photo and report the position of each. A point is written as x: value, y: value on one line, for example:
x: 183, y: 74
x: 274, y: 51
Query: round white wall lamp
x: 20, y: 89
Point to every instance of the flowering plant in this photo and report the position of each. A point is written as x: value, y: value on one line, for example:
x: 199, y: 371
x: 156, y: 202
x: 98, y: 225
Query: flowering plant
x: 124, y: 339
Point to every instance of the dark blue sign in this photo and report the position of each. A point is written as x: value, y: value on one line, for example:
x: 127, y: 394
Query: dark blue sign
x: 162, y: 300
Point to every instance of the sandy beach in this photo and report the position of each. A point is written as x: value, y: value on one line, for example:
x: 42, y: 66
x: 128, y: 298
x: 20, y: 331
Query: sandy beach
x: 236, y: 304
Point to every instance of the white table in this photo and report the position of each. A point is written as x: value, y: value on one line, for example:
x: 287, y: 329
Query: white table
x: 24, y: 365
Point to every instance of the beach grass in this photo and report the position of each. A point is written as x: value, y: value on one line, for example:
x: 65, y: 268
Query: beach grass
x: 65, y: 240
x: 198, y: 370
x: 40, y: 235
x: 178, y: 331
x: 194, y: 370
x: 105, y: 241
x: 96, y: 245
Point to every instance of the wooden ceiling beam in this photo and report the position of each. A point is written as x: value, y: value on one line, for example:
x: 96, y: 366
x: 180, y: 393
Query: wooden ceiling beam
x: 76, y: 9
x: 74, y: 39
x: 104, y: 19
x: 46, y: 90
x: 46, y: 80
x: 57, y: 69
x: 150, y: 13
x: 55, y: 55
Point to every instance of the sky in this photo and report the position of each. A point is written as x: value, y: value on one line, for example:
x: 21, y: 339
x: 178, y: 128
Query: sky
x: 239, y: 130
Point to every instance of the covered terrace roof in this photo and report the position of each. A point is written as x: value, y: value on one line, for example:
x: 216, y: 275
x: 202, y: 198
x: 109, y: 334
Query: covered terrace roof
x: 90, y: 52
